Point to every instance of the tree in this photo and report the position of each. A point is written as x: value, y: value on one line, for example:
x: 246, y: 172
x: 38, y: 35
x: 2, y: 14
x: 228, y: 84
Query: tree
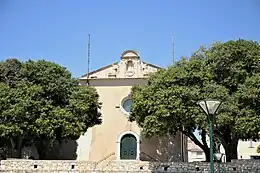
x: 14, y: 97
x: 41, y: 103
x: 168, y: 103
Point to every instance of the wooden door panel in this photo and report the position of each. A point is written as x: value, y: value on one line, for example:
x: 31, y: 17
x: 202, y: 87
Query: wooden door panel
x: 128, y: 147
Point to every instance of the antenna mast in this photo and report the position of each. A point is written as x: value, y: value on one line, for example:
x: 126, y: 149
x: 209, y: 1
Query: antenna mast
x: 88, y: 58
x: 172, y: 49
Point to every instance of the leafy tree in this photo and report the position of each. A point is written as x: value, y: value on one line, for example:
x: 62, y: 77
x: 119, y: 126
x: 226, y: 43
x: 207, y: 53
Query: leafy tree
x: 223, y: 71
x: 41, y: 103
x: 17, y: 106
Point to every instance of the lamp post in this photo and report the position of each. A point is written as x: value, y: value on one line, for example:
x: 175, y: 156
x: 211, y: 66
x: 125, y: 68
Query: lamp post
x: 218, y: 157
x: 210, y: 107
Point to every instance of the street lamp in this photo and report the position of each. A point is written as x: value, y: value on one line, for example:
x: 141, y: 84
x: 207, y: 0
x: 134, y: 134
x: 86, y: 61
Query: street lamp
x: 218, y: 157
x: 210, y: 107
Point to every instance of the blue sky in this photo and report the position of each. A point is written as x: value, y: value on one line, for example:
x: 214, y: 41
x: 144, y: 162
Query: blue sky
x: 57, y: 30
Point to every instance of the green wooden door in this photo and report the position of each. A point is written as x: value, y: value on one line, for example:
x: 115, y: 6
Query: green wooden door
x: 128, y: 147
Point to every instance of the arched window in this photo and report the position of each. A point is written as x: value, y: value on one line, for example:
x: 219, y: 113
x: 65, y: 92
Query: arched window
x: 128, y: 147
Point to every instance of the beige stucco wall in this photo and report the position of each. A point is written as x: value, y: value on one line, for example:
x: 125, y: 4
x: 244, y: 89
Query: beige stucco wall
x: 84, y: 145
x: 115, y: 122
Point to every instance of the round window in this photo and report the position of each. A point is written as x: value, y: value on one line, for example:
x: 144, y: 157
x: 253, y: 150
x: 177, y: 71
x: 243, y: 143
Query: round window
x: 126, y: 105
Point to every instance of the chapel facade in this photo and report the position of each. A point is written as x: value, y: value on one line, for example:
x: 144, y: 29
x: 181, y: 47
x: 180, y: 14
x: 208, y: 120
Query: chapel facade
x: 117, y: 138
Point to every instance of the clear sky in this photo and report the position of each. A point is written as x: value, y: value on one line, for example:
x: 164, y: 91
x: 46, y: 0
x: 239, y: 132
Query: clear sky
x: 57, y: 30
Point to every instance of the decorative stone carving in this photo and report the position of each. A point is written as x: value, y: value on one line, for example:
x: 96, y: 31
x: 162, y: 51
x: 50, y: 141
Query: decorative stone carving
x: 114, y: 71
x: 145, y: 69
x: 129, y: 54
x: 130, y: 68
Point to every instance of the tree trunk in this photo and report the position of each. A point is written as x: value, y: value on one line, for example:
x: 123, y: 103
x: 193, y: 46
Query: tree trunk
x: 207, y: 154
x: 16, y: 153
x: 202, y: 144
x: 16, y: 147
x: 41, y: 149
x: 217, y: 144
x: 41, y: 153
x: 60, y: 150
x: 229, y: 140
x: 205, y: 147
x: 231, y: 151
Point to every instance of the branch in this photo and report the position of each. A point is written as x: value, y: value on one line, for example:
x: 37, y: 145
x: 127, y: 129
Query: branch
x: 195, y: 140
x: 16, y: 143
x: 203, y: 138
x: 12, y: 142
x: 234, y: 136
x: 222, y: 140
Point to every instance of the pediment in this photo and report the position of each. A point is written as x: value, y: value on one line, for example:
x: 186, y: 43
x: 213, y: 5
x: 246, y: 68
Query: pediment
x: 129, y: 66
x: 102, y: 72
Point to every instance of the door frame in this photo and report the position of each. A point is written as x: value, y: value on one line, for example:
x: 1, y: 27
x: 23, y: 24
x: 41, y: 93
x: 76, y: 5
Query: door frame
x: 118, y: 142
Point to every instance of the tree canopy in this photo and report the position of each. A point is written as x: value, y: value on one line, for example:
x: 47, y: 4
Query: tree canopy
x: 40, y: 101
x: 225, y: 71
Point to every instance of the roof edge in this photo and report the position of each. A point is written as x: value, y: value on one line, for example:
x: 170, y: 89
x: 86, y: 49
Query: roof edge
x: 110, y: 65
x: 100, y: 69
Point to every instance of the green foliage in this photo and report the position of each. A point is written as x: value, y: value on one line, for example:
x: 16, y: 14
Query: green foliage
x: 258, y: 149
x: 169, y: 101
x: 16, y: 108
x: 10, y: 71
x: 225, y: 71
x: 39, y: 100
x: 248, y: 101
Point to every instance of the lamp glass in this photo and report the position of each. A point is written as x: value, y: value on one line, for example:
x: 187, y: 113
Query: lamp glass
x: 203, y: 106
x: 218, y: 156
x: 209, y: 106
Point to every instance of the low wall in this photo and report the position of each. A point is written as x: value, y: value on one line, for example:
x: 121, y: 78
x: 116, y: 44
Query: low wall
x: 39, y: 165
x: 63, y: 166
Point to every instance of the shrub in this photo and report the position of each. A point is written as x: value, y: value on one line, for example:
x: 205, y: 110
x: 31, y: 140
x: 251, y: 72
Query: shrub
x: 258, y: 149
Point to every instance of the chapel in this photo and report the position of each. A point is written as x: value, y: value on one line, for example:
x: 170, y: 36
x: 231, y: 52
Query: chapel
x: 117, y: 138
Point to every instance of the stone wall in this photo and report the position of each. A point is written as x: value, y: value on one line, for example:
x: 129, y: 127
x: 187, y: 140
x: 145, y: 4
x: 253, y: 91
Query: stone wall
x: 45, y: 165
x: 56, y: 166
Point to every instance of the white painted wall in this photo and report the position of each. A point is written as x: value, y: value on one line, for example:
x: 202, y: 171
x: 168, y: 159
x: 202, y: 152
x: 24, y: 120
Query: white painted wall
x: 84, y: 145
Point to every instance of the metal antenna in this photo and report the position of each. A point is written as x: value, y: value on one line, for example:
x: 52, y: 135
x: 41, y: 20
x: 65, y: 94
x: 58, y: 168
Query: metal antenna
x: 172, y: 49
x: 88, y: 58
